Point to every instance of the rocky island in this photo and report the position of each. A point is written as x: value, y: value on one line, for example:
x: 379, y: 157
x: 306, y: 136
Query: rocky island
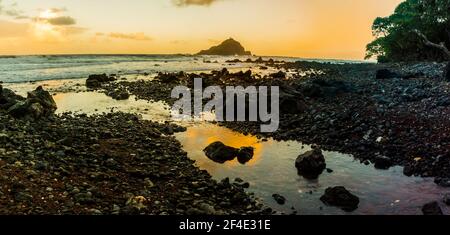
x: 228, y: 47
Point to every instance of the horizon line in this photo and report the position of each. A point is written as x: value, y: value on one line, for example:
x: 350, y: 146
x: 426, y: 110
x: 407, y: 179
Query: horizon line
x: 174, y: 54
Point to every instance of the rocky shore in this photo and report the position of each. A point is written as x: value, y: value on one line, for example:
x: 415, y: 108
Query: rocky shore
x: 401, y: 117
x: 114, y: 163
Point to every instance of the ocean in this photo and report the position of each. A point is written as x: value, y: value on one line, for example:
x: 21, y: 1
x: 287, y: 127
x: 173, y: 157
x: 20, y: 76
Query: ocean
x: 16, y: 69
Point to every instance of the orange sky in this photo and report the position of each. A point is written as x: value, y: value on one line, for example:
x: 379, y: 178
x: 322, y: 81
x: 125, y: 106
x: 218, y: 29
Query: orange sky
x: 301, y: 28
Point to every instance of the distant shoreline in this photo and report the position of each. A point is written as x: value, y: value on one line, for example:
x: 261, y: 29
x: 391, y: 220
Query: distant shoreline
x: 184, y: 55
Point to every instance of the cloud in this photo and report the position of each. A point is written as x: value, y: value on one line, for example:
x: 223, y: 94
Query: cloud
x: 58, y: 10
x: 185, y: 3
x: 61, y: 20
x: 11, y: 11
x: 130, y: 36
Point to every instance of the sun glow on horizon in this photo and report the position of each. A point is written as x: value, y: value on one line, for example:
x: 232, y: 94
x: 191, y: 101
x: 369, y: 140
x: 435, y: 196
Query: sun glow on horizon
x: 296, y: 28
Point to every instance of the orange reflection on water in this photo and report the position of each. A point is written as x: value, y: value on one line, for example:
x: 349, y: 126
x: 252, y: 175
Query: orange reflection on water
x: 197, y: 138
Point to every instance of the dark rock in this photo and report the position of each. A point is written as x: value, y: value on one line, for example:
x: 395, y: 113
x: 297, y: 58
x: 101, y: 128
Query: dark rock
x: 279, y: 74
x: 340, y: 197
x: 291, y: 101
x: 382, y: 162
x: 279, y: 199
x: 386, y: 74
x: 220, y: 153
x: 23, y: 197
x: 408, y: 170
x: 432, y: 208
x: 227, y: 48
x: 447, y: 72
x: 245, y: 154
x: 8, y: 98
x: 447, y: 199
x: 443, y: 182
x: 320, y: 88
x: 119, y: 94
x: 39, y: 103
x: 311, y: 164
x: 96, y: 80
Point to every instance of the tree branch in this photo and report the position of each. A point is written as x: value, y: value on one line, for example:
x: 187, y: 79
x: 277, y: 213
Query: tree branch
x: 427, y: 42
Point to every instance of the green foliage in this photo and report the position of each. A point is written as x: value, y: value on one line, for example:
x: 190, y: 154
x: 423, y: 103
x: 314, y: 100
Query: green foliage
x: 394, y: 36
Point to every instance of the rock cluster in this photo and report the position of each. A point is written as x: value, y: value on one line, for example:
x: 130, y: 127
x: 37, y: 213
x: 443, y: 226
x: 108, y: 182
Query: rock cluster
x: 340, y: 197
x: 95, y: 81
x: 38, y: 104
x: 221, y: 153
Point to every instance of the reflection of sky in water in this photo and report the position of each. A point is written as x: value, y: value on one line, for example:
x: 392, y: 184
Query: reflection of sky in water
x: 95, y: 103
x: 272, y: 171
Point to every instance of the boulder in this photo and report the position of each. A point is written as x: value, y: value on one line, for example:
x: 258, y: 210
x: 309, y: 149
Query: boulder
x: 220, y: 153
x: 340, y: 197
x: 386, y: 74
x: 279, y: 199
x: 323, y: 88
x: 95, y: 81
x: 119, y: 94
x: 8, y: 98
x: 432, y: 208
x: 245, y: 154
x: 43, y: 98
x: 291, y: 101
x: 382, y: 162
x: 39, y: 103
x: 311, y: 164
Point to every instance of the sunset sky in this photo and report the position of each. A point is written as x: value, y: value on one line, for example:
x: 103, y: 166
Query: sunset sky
x: 301, y: 28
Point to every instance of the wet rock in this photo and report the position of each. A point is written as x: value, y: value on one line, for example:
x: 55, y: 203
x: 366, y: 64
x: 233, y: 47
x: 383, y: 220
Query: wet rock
x: 96, y: 80
x: 279, y: 75
x: 245, y: 154
x: 291, y: 101
x: 311, y: 164
x: 279, y: 199
x: 220, y: 153
x: 119, y: 94
x: 39, y: 103
x: 408, y: 170
x: 23, y: 197
x: 83, y: 198
x: 382, y: 162
x: 320, y: 88
x: 8, y: 98
x: 386, y: 74
x: 432, y: 208
x: 340, y: 197
x: 442, y: 181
